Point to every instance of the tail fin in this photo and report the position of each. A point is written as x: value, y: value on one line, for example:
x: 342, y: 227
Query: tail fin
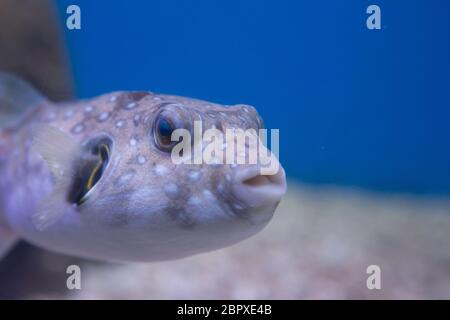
x: 16, y: 97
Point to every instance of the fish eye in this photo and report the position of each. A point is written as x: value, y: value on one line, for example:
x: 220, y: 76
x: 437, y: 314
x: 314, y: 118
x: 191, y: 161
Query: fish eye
x: 164, y: 130
x: 165, y: 124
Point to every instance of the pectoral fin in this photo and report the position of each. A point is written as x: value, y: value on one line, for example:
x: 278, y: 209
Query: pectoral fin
x: 16, y: 96
x: 59, y: 151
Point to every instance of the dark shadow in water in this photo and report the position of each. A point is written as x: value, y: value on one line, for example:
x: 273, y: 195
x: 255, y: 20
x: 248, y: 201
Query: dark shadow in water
x: 28, y: 272
x: 31, y: 47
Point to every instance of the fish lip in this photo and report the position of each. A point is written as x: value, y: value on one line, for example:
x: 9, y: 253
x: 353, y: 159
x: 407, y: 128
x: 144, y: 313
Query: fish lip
x: 267, y: 189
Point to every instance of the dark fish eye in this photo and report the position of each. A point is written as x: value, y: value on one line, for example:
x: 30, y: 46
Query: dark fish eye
x: 164, y: 130
x: 165, y: 124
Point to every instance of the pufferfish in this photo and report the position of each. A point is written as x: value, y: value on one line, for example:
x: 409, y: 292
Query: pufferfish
x: 95, y: 179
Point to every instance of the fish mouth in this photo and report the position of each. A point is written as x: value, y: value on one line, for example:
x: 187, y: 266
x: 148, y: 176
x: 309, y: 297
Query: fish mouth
x: 90, y: 167
x: 255, y: 189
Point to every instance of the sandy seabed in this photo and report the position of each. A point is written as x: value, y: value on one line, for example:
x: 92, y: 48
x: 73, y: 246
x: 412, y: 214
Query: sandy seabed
x: 318, y: 246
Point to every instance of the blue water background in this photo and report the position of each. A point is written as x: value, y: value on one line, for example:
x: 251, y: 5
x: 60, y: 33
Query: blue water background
x: 354, y: 106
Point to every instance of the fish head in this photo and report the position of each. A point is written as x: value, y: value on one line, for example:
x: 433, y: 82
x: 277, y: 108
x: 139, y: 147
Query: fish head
x: 163, y: 186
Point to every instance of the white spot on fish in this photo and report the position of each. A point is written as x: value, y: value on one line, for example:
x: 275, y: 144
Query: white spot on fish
x: 227, y: 177
x: 133, y: 142
x: 88, y: 109
x: 141, y: 159
x: 172, y: 191
x: 208, y: 194
x: 126, y: 177
x: 50, y: 116
x: 223, y: 114
x: 120, y: 124
x: 156, y: 99
x: 245, y: 109
x: 160, y: 170
x: 212, y: 114
x: 194, y: 176
x: 68, y: 114
x: 102, y: 117
x: 131, y: 105
x: 141, y: 196
x: 194, y: 201
x: 113, y: 99
x: 78, y: 128
x: 136, y: 119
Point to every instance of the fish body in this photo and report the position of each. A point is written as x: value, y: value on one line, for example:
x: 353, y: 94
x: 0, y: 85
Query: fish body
x: 95, y: 178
